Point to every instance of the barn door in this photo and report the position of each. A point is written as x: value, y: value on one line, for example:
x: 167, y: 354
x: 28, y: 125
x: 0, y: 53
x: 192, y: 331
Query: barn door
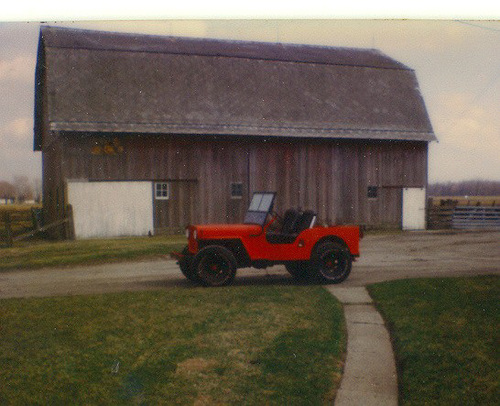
x: 413, y: 209
x: 174, y: 205
x: 111, y: 209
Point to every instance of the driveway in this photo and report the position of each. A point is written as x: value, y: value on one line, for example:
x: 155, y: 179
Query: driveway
x: 383, y: 257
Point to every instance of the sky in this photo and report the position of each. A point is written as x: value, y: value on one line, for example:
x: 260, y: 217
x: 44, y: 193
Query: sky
x: 457, y: 64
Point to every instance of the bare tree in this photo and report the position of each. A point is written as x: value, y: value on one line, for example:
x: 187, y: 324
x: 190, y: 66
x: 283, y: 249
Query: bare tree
x: 465, y: 188
x: 24, y: 189
x: 7, y: 191
x: 37, y: 190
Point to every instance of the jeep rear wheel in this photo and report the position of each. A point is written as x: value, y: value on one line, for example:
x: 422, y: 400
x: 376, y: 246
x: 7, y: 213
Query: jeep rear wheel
x: 299, y: 270
x: 214, y: 266
x: 332, y: 262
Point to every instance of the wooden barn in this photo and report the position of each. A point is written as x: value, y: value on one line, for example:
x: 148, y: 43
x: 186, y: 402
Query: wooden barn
x: 149, y: 133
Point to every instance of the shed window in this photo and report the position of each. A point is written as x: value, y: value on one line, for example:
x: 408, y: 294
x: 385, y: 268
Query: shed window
x: 162, y: 191
x: 372, y: 192
x: 236, y: 190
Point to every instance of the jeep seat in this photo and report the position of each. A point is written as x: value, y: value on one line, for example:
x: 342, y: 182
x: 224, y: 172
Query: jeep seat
x: 291, y: 219
x: 306, y: 220
x: 294, y: 223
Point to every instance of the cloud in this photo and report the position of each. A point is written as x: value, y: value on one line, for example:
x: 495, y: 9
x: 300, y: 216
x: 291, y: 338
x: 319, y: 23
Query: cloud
x: 19, y: 128
x: 468, y: 122
x: 20, y: 68
x: 16, y: 149
x: 19, y: 160
x: 449, y: 162
x: 468, y: 128
x: 188, y: 28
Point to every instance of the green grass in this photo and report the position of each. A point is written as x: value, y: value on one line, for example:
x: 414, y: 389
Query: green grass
x: 446, y: 338
x: 29, y: 255
x: 236, y: 345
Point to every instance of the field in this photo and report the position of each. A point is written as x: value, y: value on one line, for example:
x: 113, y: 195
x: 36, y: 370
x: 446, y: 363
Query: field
x: 238, y: 345
x: 446, y: 335
x: 130, y: 347
x: 465, y: 201
x: 245, y: 344
x: 38, y: 254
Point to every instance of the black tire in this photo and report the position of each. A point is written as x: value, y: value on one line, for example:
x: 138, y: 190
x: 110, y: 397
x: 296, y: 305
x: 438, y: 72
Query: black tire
x: 331, y: 262
x: 300, y: 270
x: 214, y: 266
x: 185, y: 265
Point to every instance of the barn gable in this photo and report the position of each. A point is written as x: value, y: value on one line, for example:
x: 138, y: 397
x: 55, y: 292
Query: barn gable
x: 90, y: 81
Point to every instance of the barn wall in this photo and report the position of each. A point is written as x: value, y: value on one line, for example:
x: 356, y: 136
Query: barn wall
x: 54, y: 192
x: 329, y: 176
x: 199, y: 173
x: 333, y: 177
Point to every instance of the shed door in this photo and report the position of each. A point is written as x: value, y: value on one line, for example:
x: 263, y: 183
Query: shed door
x: 111, y: 209
x: 414, y: 209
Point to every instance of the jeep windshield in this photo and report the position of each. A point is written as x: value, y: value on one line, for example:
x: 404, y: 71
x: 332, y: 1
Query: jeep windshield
x: 260, y: 206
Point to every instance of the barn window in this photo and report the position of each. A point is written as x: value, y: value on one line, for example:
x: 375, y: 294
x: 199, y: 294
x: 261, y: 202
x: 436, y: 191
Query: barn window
x: 162, y: 191
x: 236, y: 190
x: 372, y: 192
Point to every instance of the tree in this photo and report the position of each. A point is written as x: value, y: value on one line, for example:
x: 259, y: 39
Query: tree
x: 465, y: 188
x: 37, y: 190
x: 7, y: 191
x: 24, y: 189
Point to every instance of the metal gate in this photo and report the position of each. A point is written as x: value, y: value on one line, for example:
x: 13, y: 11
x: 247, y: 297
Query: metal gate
x: 476, y: 217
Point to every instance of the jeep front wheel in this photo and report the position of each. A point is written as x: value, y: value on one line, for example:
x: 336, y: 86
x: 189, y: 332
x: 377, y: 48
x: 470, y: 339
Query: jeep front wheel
x: 185, y: 265
x: 332, y: 262
x: 214, y: 266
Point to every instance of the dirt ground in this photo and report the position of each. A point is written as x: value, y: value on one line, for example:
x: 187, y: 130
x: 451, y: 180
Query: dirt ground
x: 383, y: 257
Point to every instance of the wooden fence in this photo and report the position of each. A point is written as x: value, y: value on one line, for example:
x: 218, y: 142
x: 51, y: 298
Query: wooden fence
x: 17, y: 225
x: 439, y: 217
x: 453, y: 213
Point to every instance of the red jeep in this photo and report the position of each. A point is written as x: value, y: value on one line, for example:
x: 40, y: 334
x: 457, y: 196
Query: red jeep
x: 308, y: 251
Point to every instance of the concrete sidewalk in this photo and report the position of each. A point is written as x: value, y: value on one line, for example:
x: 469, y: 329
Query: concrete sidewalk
x: 369, y: 376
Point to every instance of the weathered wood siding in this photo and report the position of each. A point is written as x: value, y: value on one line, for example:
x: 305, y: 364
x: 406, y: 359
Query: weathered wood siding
x: 54, y: 190
x: 172, y: 215
x: 329, y: 176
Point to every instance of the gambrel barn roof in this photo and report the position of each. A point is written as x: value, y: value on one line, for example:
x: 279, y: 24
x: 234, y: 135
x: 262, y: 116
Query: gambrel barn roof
x: 92, y: 81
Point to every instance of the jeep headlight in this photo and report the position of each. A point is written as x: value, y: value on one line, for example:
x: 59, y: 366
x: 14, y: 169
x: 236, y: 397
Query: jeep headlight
x: 195, y: 234
x: 187, y: 233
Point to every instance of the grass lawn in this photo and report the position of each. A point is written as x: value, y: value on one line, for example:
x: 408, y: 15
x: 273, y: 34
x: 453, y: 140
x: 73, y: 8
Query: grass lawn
x: 235, y: 345
x: 39, y: 254
x: 446, y: 338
